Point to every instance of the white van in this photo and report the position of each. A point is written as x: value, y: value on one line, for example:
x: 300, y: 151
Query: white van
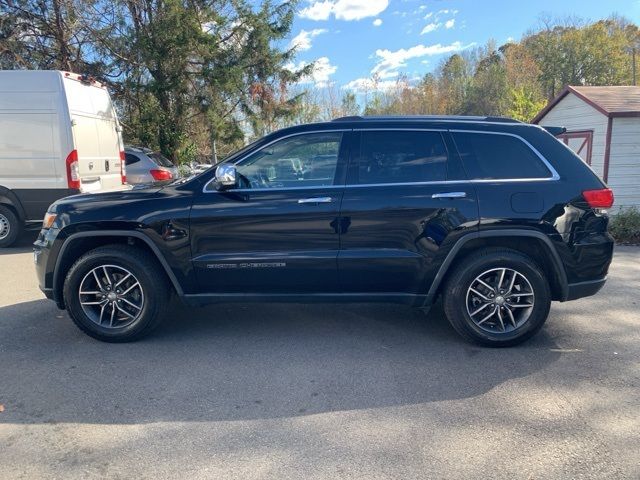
x: 59, y: 135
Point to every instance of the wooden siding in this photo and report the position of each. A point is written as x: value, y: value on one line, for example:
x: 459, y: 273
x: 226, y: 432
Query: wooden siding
x: 624, y: 161
x: 575, y: 114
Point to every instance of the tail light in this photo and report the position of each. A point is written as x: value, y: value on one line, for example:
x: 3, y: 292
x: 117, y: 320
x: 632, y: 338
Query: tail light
x: 602, y: 198
x: 73, y: 170
x: 159, y: 175
x: 123, y: 168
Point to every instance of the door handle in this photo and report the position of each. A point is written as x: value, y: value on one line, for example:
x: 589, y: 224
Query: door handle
x: 449, y: 195
x: 316, y: 200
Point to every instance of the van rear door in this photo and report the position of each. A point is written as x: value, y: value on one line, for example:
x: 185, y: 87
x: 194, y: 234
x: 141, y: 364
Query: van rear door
x: 96, y: 134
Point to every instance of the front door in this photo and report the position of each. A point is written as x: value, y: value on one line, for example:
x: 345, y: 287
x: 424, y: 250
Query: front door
x: 277, y: 232
x: 405, y: 203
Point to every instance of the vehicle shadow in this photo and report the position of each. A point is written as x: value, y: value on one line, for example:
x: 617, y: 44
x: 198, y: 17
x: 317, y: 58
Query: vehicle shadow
x: 258, y: 361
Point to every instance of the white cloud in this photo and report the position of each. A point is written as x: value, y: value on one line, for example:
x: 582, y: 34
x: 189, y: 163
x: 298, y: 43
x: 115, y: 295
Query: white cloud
x: 358, y: 9
x: 302, y: 41
x: 322, y: 71
x: 430, y: 27
x: 317, y: 10
x: 436, y: 23
x: 377, y: 22
x: 390, y: 62
x: 362, y: 85
x: 344, y: 9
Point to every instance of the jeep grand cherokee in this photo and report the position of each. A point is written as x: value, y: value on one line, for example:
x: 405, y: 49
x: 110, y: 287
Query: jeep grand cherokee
x: 495, y: 216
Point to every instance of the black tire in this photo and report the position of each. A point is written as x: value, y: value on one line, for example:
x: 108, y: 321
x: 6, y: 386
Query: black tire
x: 10, y: 226
x: 146, y: 270
x: 461, y: 279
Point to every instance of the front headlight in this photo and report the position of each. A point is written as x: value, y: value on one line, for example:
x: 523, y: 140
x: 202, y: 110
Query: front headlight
x: 49, y: 218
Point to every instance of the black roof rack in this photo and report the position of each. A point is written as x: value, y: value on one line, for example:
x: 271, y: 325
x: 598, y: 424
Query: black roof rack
x: 357, y: 118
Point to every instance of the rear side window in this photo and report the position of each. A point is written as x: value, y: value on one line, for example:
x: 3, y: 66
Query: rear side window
x: 402, y: 157
x: 160, y: 159
x: 130, y: 159
x: 495, y: 157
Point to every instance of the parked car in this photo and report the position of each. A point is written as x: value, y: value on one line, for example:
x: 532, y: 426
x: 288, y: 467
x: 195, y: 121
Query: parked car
x: 59, y: 135
x: 146, y: 166
x: 495, y: 216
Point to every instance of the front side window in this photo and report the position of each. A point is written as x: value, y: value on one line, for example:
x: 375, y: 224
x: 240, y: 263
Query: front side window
x: 498, y: 157
x: 308, y: 160
x: 402, y: 157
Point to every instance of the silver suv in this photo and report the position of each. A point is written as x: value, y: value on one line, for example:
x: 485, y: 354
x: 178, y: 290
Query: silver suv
x: 146, y: 166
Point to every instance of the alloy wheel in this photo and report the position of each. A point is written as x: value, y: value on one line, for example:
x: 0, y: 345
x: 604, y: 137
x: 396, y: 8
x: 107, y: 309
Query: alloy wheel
x: 500, y: 300
x: 111, y: 296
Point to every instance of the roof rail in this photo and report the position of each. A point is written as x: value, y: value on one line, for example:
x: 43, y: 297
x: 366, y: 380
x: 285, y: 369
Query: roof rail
x: 358, y: 118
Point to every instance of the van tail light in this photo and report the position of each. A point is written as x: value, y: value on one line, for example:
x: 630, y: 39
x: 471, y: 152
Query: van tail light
x: 602, y: 198
x: 73, y: 170
x: 123, y: 168
x: 161, y: 175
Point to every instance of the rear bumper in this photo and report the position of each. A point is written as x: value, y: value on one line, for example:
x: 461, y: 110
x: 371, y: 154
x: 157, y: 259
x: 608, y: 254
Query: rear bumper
x: 584, y: 289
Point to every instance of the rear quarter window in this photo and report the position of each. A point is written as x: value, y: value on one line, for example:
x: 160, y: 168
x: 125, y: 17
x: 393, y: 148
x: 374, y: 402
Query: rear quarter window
x: 130, y: 159
x: 498, y: 157
x: 160, y: 159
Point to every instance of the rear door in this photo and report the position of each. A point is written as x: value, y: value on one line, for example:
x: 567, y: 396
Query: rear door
x: 96, y: 135
x: 405, y: 204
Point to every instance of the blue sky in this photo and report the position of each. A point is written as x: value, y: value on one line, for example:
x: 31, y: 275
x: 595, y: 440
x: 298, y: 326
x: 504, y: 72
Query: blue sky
x: 351, y: 40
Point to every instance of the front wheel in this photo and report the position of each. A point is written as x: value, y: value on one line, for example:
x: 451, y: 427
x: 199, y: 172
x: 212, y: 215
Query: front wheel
x: 116, y: 293
x: 497, y: 298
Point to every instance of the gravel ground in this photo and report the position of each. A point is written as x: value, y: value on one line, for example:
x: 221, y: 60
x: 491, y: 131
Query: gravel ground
x: 319, y: 391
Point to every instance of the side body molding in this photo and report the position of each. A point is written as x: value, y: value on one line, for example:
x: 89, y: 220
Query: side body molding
x: 113, y: 233
x: 555, y: 258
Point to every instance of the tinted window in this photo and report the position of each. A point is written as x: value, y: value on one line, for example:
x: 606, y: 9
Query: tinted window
x: 401, y: 157
x: 160, y: 159
x: 490, y: 156
x: 301, y: 161
x: 130, y: 159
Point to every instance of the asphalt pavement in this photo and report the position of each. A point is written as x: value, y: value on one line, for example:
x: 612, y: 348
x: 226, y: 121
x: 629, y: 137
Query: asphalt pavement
x: 278, y: 391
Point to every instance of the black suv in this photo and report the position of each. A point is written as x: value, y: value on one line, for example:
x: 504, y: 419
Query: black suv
x: 495, y: 216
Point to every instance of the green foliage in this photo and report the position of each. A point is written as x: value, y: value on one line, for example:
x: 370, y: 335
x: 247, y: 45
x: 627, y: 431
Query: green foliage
x: 189, y: 77
x: 197, y: 78
x: 625, y: 225
x: 594, y: 54
x: 517, y: 79
x: 523, y: 104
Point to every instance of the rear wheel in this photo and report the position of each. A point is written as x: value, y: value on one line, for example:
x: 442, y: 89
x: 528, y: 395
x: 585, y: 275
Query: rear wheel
x: 497, y: 298
x: 116, y: 293
x: 10, y: 226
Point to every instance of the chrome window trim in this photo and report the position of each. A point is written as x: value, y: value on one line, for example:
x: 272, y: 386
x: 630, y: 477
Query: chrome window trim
x: 554, y: 174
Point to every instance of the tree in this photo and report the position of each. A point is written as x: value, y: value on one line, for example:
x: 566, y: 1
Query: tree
x: 454, y: 84
x: 46, y: 34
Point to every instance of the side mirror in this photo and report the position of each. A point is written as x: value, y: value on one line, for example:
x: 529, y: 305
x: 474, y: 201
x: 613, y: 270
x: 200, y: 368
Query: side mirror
x: 226, y: 176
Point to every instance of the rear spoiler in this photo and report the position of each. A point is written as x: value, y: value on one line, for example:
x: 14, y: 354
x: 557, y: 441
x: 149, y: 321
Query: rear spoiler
x: 555, y: 131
